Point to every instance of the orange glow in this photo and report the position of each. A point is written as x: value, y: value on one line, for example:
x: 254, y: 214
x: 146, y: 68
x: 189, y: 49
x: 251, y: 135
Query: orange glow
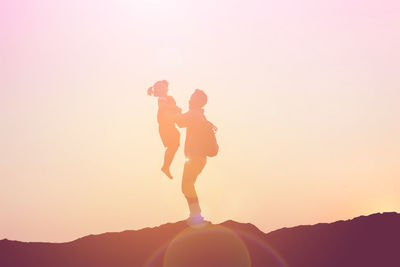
x: 304, y: 94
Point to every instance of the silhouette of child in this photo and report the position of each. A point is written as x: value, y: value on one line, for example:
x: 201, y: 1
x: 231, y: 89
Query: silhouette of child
x: 166, y: 117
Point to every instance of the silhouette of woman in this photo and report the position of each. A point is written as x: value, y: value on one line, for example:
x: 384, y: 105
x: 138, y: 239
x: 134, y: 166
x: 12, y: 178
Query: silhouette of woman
x: 166, y: 117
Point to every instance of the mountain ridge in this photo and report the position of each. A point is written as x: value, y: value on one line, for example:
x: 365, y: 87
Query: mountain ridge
x: 367, y: 240
x: 222, y: 223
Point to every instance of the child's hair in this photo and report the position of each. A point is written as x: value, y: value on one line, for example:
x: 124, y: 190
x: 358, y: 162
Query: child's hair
x: 160, y: 88
x: 199, y: 98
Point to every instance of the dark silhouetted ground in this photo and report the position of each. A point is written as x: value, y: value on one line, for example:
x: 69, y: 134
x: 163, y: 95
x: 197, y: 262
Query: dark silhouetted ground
x: 364, y: 241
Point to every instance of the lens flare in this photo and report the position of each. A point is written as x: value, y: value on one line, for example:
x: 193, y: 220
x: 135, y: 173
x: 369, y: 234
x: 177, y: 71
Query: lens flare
x: 209, y: 246
x: 213, y: 245
x: 266, y: 248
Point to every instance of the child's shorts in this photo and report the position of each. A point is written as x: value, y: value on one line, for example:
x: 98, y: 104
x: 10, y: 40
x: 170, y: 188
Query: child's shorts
x: 170, y: 136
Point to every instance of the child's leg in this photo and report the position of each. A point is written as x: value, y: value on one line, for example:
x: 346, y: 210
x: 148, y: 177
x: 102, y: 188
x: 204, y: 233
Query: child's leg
x: 168, y: 157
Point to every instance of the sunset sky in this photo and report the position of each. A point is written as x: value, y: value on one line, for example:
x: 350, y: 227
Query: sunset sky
x: 306, y: 96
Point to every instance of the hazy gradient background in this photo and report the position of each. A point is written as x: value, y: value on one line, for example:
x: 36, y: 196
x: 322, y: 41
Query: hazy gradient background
x: 306, y: 95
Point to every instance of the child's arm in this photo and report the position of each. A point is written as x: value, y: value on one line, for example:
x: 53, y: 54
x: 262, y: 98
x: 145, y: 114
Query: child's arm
x: 169, y: 108
x: 167, y: 103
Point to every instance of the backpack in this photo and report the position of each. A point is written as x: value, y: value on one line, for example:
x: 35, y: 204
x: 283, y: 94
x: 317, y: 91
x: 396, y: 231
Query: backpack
x: 210, y: 140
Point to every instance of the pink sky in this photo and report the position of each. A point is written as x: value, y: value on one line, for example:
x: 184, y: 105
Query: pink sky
x: 305, y: 94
